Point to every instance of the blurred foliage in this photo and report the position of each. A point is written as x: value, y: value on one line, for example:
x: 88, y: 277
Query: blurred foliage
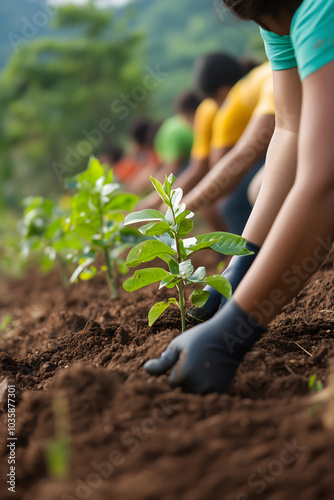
x: 55, y: 94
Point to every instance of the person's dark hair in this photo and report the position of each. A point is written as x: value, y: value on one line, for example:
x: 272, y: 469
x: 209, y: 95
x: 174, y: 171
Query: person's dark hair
x: 139, y: 129
x: 113, y: 153
x: 216, y: 70
x: 187, y: 102
x: 254, y: 9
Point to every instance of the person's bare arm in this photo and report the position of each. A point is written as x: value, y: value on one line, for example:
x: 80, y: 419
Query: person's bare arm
x: 229, y: 171
x: 303, y: 231
x: 217, y: 154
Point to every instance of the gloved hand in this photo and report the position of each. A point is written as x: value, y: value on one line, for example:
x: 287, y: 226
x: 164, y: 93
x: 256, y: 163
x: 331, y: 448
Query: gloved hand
x: 235, y: 272
x: 205, y: 358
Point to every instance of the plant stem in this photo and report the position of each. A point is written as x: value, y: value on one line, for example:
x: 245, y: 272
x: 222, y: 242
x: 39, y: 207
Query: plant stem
x: 111, y: 278
x: 180, y: 286
x: 63, y: 273
x: 183, y: 319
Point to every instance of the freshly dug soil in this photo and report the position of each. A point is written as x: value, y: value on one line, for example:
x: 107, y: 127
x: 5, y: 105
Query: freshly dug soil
x: 131, y: 436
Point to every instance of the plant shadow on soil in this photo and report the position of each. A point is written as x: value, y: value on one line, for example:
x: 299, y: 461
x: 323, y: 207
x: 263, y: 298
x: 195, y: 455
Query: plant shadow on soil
x: 132, y: 437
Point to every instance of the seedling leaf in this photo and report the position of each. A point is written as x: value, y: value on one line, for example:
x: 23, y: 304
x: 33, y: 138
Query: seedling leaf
x: 154, y: 228
x: 199, y: 297
x: 143, y: 216
x: 144, y: 277
x: 147, y: 251
x: 221, y: 284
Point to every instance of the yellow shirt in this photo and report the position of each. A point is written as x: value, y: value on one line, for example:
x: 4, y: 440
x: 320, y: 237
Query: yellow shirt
x: 203, y: 128
x: 253, y: 95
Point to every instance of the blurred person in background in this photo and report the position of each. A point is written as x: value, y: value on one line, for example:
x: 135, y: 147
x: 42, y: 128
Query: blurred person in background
x: 141, y: 152
x: 110, y: 155
x: 173, y: 141
x: 236, y: 120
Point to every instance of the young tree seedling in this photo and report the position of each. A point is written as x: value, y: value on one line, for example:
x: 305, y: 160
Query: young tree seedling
x: 171, y: 245
x: 97, y: 215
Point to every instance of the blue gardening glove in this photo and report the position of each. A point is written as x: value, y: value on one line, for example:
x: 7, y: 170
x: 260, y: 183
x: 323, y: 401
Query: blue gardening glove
x: 205, y: 358
x: 235, y: 272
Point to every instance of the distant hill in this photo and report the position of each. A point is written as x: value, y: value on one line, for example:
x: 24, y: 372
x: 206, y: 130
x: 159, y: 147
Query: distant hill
x: 176, y: 33
x: 179, y: 31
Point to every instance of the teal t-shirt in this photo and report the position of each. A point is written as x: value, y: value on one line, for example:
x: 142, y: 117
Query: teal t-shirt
x: 310, y: 45
x: 174, y: 140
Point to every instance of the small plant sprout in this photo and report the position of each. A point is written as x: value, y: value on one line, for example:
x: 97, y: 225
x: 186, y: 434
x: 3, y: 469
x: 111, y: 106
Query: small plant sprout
x: 170, y: 244
x: 58, y: 451
x: 97, y: 215
x: 315, y: 385
x: 6, y: 321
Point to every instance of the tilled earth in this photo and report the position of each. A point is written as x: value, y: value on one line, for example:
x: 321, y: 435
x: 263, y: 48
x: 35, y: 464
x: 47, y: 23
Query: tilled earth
x: 131, y: 436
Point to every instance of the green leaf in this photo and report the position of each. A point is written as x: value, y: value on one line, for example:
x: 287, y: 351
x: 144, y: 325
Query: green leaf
x: 143, y: 216
x: 186, y: 214
x: 185, y: 228
x: 53, y: 228
x: 201, y: 242
x: 167, y: 186
x: 144, y: 277
x: 93, y: 172
x: 173, y: 266
x: 84, y: 262
x: 88, y: 274
x: 231, y: 244
x: 171, y: 179
x: 155, y: 228
x: 124, y: 201
x: 170, y: 281
x: 198, y: 275
x: 147, y: 251
x: 159, y: 189
x: 108, y: 189
x: 186, y: 269
x: 221, y: 284
x: 311, y: 382
x: 177, y: 195
x: 199, y: 297
x: 156, y: 311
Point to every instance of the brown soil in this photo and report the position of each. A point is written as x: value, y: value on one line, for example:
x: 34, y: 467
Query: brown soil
x: 132, y: 437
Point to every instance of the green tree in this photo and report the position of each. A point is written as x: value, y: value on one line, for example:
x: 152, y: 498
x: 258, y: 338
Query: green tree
x: 56, y: 97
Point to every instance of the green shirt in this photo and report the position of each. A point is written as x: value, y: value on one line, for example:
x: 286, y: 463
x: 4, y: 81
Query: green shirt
x: 310, y: 45
x: 174, y: 140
